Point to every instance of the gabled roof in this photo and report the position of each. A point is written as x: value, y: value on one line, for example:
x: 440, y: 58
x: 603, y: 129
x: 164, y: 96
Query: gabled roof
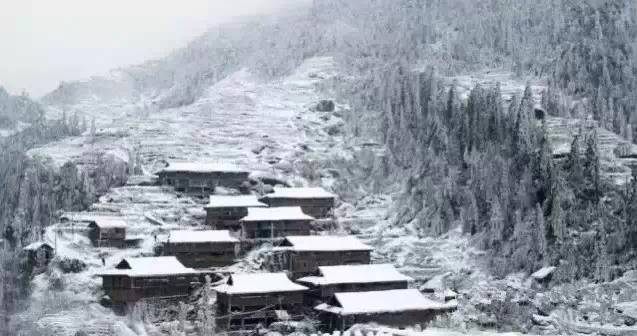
x: 275, y: 214
x: 344, y: 274
x: 207, y: 236
x: 240, y: 201
x: 150, y: 266
x: 299, y: 193
x: 36, y: 246
x: 323, y: 243
x: 202, y: 167
x: 543, y: 272
x: 387, y: 301
x: 108, y: 223
x: 256, y: 283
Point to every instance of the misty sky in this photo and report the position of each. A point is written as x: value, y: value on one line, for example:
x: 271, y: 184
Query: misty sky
x: 45, y: 41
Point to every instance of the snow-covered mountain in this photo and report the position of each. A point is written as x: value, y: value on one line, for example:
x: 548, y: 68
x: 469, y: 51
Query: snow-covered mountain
x: 247, y: 94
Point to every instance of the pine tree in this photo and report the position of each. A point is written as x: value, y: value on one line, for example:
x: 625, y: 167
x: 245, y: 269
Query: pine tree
x: 539, y: 234
x: 557, y: 227
x: 591, y: 169
x: 206, y: 315
x: 573, y: 164
x: 602, y: 266
x: 496, y: 224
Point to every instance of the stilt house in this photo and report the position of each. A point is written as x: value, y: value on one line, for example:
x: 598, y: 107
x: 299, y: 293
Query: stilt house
x: 259, y: 298
x: 302, y: 255
x: 271, y: 223
x: 105, y: 232
x: 201, y: 178
x: 353, y: 278
x: 395, y: 308
x: 39, y: 254
x: 315, y: 202
x: 134, y: 279
x: 224, y: 212
x: 201, y: 249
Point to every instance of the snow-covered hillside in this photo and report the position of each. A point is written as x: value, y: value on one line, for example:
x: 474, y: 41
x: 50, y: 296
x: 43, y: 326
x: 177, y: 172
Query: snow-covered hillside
x: 272, y: 128
x: 267, y: 127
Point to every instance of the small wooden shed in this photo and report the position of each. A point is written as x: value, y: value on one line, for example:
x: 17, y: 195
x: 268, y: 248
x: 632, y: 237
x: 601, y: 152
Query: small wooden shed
x: 149, y: 277
x: 246, y: 300
x: 271, y: 223
x: 302, y: 255
x: 39, y: 254
x: 201, y: 177
x: 201, y: 249
x: 353, y: 278
x: 395, y: 308
x: 107, y: 232
x: 224, y: 212
x: 315, y: 202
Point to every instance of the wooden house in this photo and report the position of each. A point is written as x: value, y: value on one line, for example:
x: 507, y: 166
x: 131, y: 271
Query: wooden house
x: 201, y: 178
x: 107, y: 232
x: 395, y: 308
x: 353, y: 278
x: 39, y: 254
x: 202, y: 249
x: 315, y: 202
x: 246, y: 300
x: 134, y: 279
x: 302, y: 255
x: 224, y: 212
x: 271, y: 223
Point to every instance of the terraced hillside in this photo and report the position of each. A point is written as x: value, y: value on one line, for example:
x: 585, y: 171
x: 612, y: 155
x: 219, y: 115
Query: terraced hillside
x: 617, y: 155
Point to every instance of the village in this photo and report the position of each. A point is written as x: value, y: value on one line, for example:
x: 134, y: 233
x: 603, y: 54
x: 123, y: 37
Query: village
x: 309, y: 269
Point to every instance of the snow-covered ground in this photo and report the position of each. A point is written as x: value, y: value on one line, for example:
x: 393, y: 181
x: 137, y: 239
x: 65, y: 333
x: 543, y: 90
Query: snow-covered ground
x: 266, y: 126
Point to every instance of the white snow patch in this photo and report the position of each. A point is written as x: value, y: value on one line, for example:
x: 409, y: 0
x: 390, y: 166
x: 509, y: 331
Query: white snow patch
x: 275, y: 214
x: 324, y: 243
x: 387, y: 301
x: 344, y: 274
x: 203, y: 236
x: 240, y: 201
x: 151, y: 266
x: 259, y: 283
x: 202, y: 167
x: 299, y: 193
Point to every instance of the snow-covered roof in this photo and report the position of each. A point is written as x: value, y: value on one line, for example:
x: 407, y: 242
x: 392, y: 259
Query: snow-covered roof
x: 275, y: 214
x: 151, y: 266
x: 387, y: 301
x: 323, y: 243
x: 108, y: 223
x: 202, y: 167
x: 543, y: 272
x: 300, y: 193
x: 207, y: 236
x: 241, y: 201
x: 344, y: 274
x: 253, y: 283
x: 36, y: 246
